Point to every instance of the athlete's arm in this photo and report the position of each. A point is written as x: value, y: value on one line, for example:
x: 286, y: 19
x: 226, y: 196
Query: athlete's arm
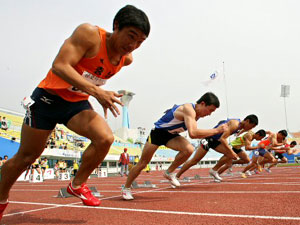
x: 189, y: 116
x: 232, y: 126
x: 248, y: 140
x: 84, y: 42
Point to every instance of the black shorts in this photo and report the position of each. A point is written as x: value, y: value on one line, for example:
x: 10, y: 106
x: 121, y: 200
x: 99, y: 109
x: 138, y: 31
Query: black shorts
x: 279, y: 155
x: 211, y: 143
x: 237, y: 151
x: 35, y: 166
x: 48, y: 110
x: 160, y: 136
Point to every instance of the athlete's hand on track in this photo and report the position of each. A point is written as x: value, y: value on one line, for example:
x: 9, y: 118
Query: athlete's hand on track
x: 108, y: 99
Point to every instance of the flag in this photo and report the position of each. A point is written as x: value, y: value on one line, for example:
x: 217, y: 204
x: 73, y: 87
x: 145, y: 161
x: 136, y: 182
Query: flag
x: 215, y: 77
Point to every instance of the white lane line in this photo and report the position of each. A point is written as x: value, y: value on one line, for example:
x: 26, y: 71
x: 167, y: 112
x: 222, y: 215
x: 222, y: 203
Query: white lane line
x: 232, y: 192
x: 183, y: 191
x: 159, y: 211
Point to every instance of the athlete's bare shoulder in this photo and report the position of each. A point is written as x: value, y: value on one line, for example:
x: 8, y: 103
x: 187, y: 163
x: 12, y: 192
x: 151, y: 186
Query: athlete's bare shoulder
x: 128, y: 59
x: 86, y: 36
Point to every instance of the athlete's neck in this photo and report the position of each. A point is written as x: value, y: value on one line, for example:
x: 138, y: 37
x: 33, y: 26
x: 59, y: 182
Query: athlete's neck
x: 113, y: 55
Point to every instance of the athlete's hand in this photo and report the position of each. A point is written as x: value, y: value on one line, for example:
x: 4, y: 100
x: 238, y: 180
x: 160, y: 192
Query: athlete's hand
x: 223, y: 128
x: 108, y: 99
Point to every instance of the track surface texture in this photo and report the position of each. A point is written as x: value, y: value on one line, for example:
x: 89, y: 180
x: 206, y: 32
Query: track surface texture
x: 265, y: 198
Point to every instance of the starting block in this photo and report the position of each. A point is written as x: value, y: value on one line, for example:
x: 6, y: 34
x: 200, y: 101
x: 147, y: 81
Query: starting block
x: 64, y: 194
x: 196, y: 177
x: 185, y: 180
x: 147, y: 184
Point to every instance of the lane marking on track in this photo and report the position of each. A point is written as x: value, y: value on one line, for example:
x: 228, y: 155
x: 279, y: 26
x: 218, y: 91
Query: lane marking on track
x: 232, y: 192
x: 156, y: 211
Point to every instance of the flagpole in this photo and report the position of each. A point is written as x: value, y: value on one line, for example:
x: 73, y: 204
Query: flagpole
x: 227, y: 112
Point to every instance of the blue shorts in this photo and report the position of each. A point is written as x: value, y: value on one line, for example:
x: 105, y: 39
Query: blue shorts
x: 262, y: 151
x: 48, y: 110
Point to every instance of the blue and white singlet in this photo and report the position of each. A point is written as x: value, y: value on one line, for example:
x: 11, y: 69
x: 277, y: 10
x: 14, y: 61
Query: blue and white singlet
x: 217, y: 136
x: 170, y: 123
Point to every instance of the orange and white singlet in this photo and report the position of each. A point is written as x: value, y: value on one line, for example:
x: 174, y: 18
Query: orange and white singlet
x: 96, y: 70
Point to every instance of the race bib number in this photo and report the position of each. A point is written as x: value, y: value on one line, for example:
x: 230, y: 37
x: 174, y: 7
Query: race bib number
x: 90, y: 78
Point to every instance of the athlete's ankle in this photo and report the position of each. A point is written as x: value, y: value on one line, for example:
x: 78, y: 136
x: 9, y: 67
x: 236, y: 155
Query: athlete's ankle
x: 3, y: 201
x: 75, y: 186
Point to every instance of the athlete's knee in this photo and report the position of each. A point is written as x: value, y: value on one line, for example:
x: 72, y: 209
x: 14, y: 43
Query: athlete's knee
x: 189, y: 150
x: 25, y: 159
x: 104, y: 141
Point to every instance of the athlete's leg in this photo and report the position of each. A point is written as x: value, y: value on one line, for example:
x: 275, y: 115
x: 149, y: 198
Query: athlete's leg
x: 268, y: 158
x: 185, y: 149
x: 282, y: 160
x: 147, y: 153
x: 224, y: 164
x: 224, y: 159
x: 89, y: 124
x: 252, y: 165
x: 28, y: 151
x: 199, y: 154
x: 244, y: 158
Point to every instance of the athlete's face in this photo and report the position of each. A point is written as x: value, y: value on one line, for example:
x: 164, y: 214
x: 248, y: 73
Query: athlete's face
x: 205, y: 110
x: 258, y: 137
x: 280, y: 137
x: 128, y: 39
x: 248, y: 126
x: 292, y: 146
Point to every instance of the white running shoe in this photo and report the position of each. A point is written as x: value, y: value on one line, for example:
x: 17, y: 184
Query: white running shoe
x: 268, y: 170
x: 172, y: 178
x: 217, y: 181
x: 126, y: 194
x: 248, y: 173
x: 215, y: 174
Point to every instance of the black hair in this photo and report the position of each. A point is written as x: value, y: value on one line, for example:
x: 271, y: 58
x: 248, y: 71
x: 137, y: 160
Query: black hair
x: 6, y: 156
x: 293, y: 143
x: 132, y: 16
x: 261, y: 133
x: 283, y: 132
x: 209, y: 98
x: 1, y: 158
x: 252, y: 119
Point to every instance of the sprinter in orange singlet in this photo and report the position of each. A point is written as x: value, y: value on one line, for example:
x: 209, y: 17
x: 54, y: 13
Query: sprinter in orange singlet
x: 85, y: 62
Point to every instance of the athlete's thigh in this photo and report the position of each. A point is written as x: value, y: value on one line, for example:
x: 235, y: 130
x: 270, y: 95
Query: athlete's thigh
x: 221, y: 149
x: 179, y: 143
x: 89, y: 124
x: 148, y: 152
x: 269, y: 156
x: 30, y: 147
x: 243, y: 155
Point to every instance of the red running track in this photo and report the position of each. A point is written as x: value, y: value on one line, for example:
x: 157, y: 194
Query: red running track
x: 267, y: 198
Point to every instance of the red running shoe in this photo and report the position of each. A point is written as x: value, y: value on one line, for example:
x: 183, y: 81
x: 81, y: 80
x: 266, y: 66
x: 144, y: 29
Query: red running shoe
x: 85, y: 194
x: 2, y: 208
